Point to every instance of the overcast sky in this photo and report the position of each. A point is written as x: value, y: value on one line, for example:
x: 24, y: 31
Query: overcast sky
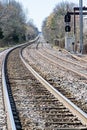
x: 38, y: 10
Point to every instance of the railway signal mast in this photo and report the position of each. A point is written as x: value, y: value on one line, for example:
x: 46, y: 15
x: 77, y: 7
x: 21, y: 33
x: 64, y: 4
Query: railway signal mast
x: 68, y: 39
x: 67, y: 19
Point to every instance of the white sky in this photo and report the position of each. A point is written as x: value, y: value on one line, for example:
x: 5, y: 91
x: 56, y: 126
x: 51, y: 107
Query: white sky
x: 38, y: 10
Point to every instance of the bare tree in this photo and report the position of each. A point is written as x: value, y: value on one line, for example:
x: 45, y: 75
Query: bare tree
x: 53, y: 27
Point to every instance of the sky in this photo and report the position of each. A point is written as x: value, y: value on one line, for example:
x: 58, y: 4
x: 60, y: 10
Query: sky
x: 38, y: 10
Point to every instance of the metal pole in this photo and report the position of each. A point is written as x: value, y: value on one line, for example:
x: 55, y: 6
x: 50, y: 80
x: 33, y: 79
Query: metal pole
x: 74, y: 29
x: 81, y: 24
x: 74, y: 23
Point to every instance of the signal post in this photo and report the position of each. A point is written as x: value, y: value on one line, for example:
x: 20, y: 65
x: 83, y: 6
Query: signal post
x: 69, y: 41
x: 67, y: 19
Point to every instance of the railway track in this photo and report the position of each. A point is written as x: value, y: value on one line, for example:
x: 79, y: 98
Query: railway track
x: 66, y: 64
x: 55, y: 79
x: 3, y: 118
x: 78, y: 57
x: 69, y: 60
x: 32, y: 101
x: 69, y: 57
x: 79, y: 68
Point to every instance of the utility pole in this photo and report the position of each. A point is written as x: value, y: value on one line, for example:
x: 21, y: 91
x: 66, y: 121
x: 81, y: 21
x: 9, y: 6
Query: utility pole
x: 81, y: 24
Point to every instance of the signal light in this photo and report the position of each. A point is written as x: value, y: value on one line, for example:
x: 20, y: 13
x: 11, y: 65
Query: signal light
x: 67, y: 17
x: 67, y: 28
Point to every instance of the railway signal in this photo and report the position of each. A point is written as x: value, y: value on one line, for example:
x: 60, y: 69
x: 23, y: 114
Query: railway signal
x: 67, y: 20
x: 77, y: 11
x: 67, y: 17
x: 67, y: 28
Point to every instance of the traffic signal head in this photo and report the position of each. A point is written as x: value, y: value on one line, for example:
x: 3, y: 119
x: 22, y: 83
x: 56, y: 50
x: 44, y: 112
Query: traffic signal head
x: 67, y: 17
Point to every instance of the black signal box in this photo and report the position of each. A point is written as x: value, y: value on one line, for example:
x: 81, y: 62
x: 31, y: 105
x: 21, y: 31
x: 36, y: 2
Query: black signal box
x: 67, y: 28
x: 67, y: 17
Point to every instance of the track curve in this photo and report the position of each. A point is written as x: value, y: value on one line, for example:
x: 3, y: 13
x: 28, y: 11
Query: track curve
x: 36, y: 107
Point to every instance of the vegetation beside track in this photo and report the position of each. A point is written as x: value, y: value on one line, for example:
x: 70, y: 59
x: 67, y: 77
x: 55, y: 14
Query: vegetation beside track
x: 13, y: 26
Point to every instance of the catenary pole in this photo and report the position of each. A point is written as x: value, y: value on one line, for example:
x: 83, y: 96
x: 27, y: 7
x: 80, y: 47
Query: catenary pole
x: 81, y: 24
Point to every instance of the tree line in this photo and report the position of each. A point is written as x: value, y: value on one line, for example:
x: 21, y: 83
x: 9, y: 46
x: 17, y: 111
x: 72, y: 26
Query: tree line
x: 13, y: 25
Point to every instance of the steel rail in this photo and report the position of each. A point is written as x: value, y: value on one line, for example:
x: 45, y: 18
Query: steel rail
x: 66, y: 60
x: 67, y: 103
x: 10, y: 119
x: 76, y: 56
x: 72, y: 70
